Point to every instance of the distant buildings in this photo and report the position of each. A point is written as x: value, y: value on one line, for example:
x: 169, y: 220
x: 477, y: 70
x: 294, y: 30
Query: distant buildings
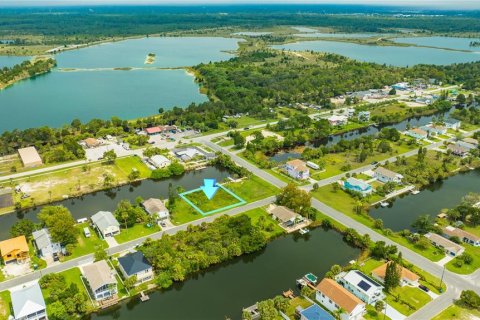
x: 463, y: 235
x: 297, y: 169
x: 192, y: 153
x: 159, y: 130
x: 452, y: 124
x: 106, y: 224
x: 433, y: 129
x: 28, y: 303
x: 361, y: 286
x: 334, y: 297
x: 337, y: 120
x: 91, y: 142
x: 155, y: 206
x: 457, y: 150
x: 30, y: 157
x: 417, y: 133
x: 101, y: 280
x: 15, y: 250
x: 384, y: 175
x: 46, y: 248
x: 356, y: 185
x: 407, y: 276
x: 135, y: 264
x: 450, y: 247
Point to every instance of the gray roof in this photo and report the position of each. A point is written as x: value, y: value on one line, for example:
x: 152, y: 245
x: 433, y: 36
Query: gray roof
x: 99, y: 274
x: 104, y: 219
x: 283, y: 214
x: 154, y: 205
x: 42, y: 238
x: 134, y: 263
x: 27, y: 300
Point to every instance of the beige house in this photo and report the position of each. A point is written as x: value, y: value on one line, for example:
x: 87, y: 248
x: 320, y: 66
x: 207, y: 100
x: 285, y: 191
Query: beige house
x: 154, y: 206
x: 450, y: 247
x: 101, y: 280
x: 30, y: 157
x: 283, y: 214
x: 407, y: 276
x: 463, y: 235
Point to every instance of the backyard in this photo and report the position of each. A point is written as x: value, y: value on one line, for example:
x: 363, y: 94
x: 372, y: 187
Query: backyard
x: 85, y: 245
x: 136, y: 231
x: 5, y: 301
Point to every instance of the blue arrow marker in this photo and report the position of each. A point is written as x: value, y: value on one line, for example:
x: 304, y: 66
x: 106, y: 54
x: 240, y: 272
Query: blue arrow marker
x: 209, y: 188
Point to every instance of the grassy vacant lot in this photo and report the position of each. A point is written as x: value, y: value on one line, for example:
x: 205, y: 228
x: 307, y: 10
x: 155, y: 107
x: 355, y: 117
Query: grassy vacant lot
x: 220, y: 200
x: 252, y: 189
x: 128, y: 163
x: 5, y: 301
x: 137, y: 231
x: 407, y: 299
x: 261, y: 218
x: 466, y: 268
x: 457, y: 312
x: 182, y: 213
x: 85, y: 245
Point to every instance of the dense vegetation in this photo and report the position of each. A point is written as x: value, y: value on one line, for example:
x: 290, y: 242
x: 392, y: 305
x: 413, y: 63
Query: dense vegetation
x: 25, y: 69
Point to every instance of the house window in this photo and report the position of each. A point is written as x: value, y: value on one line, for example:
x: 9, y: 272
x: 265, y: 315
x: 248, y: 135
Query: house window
x: 329, y: 300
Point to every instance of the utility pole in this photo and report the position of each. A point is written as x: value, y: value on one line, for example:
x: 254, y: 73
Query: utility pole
x: 441, y: 279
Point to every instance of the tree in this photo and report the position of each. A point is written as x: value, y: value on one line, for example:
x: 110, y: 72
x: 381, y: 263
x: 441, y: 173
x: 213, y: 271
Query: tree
x: 267, y: 310
x: 110, y: 156
x: 100, y: 254
x: 423, y: 224
x: 281, y: 303
x: 382, y: 251
x: 294, y: 198
x: 129, y: 214
x: 246, y: 315
x: 176, y: 168
x: 60, y: 224
x: 392, y: 276
x: 378, y: 224
x: 23, y: 227
x: 392, y: 92
x: 470, y: 298
x: 134, y: 174
x: 131, y: 281
x: 379, y: 305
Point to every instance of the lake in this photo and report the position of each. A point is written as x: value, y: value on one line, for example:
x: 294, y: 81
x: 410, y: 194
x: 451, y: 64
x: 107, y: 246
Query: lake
x: 89, y: 204
x: 251, y: 33
x: 440, y: 195
x: 222, y: 291
x: 337, y: 35
x: 441, y: 42
x: 390, y: 55
x: 10, y: 61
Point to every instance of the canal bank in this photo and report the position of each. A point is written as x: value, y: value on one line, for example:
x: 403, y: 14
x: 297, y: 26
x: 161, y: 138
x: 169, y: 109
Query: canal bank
x: 223, y: 290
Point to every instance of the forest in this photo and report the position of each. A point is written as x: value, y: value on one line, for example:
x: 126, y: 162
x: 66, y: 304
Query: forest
x: 24, y: 70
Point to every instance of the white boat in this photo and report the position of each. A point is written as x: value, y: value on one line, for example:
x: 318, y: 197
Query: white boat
x: 415, y: 191
x: 384, y: 204
x: 304, y: 231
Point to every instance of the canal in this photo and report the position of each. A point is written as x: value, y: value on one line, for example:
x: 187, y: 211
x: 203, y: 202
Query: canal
x: 222, y: 291
x: 433, y: 198
x: 89, y: 204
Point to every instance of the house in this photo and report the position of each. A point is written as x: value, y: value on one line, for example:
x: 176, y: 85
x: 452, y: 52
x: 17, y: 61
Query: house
x: 450, y: 247
x: 315, y: 312
x: 46, y: 248
x: 101, y: 280
x: 466, y: 145
x: 155, y: 206
x: 106, y: 224
x: 471, y: 141
x: 91, y: 142
x: 153, y: 131
x: 417, y: 133
x: 30, y: 157
x: 15, y: 250
x: 457, y: 150
x: 434, y: 129
x: 452, y: 124
x: 400, y: 86
x: 362, y: 286
x: 356, y: 185
x: 135, y: 264
x: 407, y: 277
x: 334, y: 297
x: 297, y: 169
x: 463, y: 235
x: 384, y: 175
x: 283, y: 214
x: 337, y: 120
x: 187, y: 154
x: 28, y: 303
x: 160, y: 161
x: 364, y: 116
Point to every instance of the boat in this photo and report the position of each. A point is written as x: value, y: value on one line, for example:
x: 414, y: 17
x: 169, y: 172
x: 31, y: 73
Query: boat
x: 415, y: 191
x: 384, y: 204
x: 304, y: 231
x: 310, y: 277
x: 301, y: 283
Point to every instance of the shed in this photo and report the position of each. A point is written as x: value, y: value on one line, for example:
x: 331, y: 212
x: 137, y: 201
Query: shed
x: 30, y: 157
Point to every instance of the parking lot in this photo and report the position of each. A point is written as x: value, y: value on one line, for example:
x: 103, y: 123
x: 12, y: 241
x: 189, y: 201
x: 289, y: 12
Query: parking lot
x: 169, y: 140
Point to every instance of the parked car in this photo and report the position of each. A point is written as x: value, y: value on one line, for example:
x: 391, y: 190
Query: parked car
x: 421, y: 286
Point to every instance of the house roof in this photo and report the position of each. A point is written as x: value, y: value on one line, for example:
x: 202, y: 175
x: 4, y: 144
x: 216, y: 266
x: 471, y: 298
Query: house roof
x: 457, y: 148
x: 153, y: 130
x: 283, y: 213
x: 338, y: 294
x: 315, y: 312
x: 298, y: 165
x: 445, y: 243
x: 42, y: 238
x: 387, y: 173
x: 91, y: 142
x: 361, y: 281
x: 29, y: 155
x: 104, y: 219
x: 406, y: 274
x: 98, y: 274
x: 18, y: 243
x: 154, y: 205
x: 134, y: 263
x: 471, y: 141
x: 27, y: 300
x: 452, y: 231
x: 419, y: 131
x: 159, y: 159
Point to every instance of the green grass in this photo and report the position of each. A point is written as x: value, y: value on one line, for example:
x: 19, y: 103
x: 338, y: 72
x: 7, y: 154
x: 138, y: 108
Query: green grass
x: 407, y: 299
x: 221, y: 199
x: 137, y: 231
x: 128, y: 163
x: 369, y: 265
x: 85, y: 245
x: 294, y: 303
x: 252, y: 188
x: 122, y: 291
x: 269, y: 227
x: 182, y: 213
x: 373, y: 314
x: 5, y: 301
x: 457, y: 312
x: 466, y: 268
x: 41, y: 264
x: 226, y: 143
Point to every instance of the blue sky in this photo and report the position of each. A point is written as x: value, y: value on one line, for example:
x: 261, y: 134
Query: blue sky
x: 440, y: 4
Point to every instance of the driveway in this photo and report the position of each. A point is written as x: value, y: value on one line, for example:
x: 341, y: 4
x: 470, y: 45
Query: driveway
x: 16, y: 269
x: 111, y: 242
x: 392, y: 313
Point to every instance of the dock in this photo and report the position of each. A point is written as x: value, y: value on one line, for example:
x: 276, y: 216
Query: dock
x: 394, y: 194
x: 144, y: 297
x: 288, y: 294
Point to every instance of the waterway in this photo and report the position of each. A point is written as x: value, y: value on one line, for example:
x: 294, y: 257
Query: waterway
x: 433, y: 198
x: 222, y: 291
x: 89, y: 204
x: 10, y: 61
x: 390, y: 55
x: 338, y: 35
x: 441, y: 42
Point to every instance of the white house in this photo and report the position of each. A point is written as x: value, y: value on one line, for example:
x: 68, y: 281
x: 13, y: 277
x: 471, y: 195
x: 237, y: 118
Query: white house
x: 160, y: 161
x: 384, y: 175
x: 407, y: 276
x: 362, y: 286
x: 46, y: 248
x: 28, y: 303
x: 155, y: 206
x: 297, y: 169
x: 356, y: 185
x: 135, y: 264
x: 451, y: 248
x: 333, y: 297
x: 452, y: 124
x: 106, y: 224
x: 101, y: 280
x: 337, y: 120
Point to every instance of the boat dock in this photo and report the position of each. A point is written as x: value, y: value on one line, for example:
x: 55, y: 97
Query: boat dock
x: 394, y: 194
x: 144, y: 297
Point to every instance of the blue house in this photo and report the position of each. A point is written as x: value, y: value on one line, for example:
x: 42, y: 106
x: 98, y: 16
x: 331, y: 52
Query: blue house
x: 357, y: 185
x: 315, y: 312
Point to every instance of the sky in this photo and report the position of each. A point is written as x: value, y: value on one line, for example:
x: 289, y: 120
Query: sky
x: 434, y: 4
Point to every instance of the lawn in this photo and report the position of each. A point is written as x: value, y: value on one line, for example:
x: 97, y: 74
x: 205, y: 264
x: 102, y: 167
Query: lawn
x: 456, y: 312
x: 128, y: 163
x: 369, y: 265
x: 284, y: 177
x: 137, y: 231
x: 269, y: 227
x: 182, y: 213
x: 407, y: 299
x: 373, y: 314
x: 40, y: 263
x: 221, y: 199
x: 5, y: 301
x: 85, y: 245
x: 252, y: 188
x: 466, y: 268
x: 294, y: 303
